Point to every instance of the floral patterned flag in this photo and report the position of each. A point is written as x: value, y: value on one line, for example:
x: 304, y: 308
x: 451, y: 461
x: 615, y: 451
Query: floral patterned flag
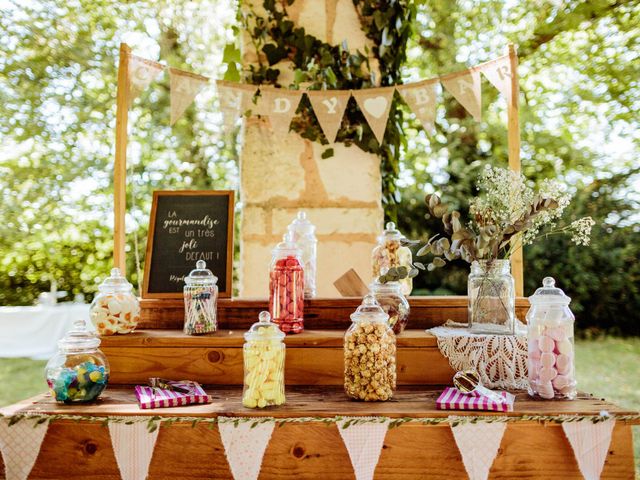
x: 364, y: 442
x: 133, y: 447
x: 590, y: 443
x: 375, y: 104
x: 478, y: 444
x: 421, y: 98
x: 245, y: 441
x: 184, y: 88
x: 141, y: 73
x: 280, y: 106
x: 329, y: 107
x: 20, y: 445
x: 498, y: 72
x: 465, y: 88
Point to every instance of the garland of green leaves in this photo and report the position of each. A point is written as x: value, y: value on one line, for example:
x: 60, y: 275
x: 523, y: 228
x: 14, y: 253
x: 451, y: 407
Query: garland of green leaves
x: 319, y: 65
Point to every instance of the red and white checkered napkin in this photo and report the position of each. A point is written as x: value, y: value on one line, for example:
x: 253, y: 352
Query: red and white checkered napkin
x: 148, y: 398
x: 454, y: 399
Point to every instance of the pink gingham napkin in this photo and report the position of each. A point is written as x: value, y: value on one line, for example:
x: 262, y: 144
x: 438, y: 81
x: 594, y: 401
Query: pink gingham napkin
x: 454, y: 399
x: 158, y: 398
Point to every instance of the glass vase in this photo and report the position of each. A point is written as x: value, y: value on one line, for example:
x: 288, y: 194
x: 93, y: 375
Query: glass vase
x: 491, y: 297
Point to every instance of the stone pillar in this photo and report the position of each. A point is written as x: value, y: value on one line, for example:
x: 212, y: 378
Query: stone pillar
x: 279, y: 176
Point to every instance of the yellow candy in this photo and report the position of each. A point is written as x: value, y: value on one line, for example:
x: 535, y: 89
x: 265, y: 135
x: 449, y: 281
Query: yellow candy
x: 95, y: 376
x: 262, y: 403
x: 249, y: 403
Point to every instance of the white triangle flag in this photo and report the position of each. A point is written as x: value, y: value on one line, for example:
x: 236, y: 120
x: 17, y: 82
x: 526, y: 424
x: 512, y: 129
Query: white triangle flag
x: 133, y: 447
x: 20, y: 445
x: 184, y: 87
x: 280, y: 106
x: 375, y: 104
x: 498, y: 72
x: 245, y: 442
x: 141, y: 73
x: 364, y: 443
x: 421, y: 98
x: 590, y: 443
x: 466, y: 88
x: 478, y: 444
x: 329, y: 107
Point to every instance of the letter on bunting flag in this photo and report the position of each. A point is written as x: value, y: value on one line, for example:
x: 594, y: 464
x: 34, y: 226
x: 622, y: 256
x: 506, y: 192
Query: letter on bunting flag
x: 235, y: 100
x: 329, y: 107
x: 375, y: 104
x: 466, y: 89
x: 421, y: 98
x: 498, y: 72
x: 141, y: 73
x: 280, y: 106
x: 184, y: 88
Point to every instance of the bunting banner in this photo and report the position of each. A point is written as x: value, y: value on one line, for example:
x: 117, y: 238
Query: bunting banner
x: 590, y: 443
x: 235, y: 100
x: 478, y: 444
x: 421, y: 99
x: 466, y: 88
x: 244, y: 444
x: 133, y: 446
x: 498, y: 72
x: 279, y: 105
x: 184, y: 86
x: 20, y: 446
x: 141, y: 73
x: 364, y: 442
x: 329, y: 107
x: 375, y: 104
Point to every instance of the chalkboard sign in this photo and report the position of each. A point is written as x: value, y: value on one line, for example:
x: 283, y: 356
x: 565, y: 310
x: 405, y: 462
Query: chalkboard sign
x: 187, y: 226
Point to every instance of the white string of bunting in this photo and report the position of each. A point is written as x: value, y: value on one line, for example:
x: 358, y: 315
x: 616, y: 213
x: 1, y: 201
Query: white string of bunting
x: 279, y: 104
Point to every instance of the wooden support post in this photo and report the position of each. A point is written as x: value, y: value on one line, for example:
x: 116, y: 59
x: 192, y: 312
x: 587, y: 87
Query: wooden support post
x: 513, y: 141
x: 120, y: 164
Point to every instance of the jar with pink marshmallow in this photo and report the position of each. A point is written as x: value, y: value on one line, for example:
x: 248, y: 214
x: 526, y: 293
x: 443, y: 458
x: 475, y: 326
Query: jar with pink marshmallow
x: 550, y: 334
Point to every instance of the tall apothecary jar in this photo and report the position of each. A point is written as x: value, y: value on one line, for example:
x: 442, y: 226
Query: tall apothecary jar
x: 200, y: 300
x: 491, y: 297
x: 303, y: 234
x: 286, y: 286
x: 391, y: 253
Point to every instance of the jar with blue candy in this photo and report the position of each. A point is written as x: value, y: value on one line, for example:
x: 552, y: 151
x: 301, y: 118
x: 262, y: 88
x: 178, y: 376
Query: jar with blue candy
x: 79, y: 372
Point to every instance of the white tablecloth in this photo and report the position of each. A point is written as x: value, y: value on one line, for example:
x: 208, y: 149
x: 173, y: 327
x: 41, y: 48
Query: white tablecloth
x: 34, y: 331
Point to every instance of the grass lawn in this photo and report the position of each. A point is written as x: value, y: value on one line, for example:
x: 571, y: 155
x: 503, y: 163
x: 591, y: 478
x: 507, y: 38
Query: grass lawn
x: 608, y: 368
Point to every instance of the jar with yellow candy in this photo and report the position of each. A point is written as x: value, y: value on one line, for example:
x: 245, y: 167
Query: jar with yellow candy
x: 263, y: 352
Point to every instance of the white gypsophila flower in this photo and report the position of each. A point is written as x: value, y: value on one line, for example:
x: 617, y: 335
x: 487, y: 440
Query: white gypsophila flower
x: 581, y: 230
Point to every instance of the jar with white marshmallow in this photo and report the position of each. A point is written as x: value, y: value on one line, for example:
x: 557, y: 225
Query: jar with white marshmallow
x: 115, y: 309
x: 551, y: 346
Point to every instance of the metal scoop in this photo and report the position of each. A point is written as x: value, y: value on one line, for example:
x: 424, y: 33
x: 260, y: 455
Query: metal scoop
x: 468, y: 381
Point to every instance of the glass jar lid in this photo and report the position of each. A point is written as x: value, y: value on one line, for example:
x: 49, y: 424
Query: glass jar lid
x: 549, y: 294
x: 116, y: 282
x: 201, y: 275
x: 287, y: 247
x: 391, y: 232
x: 369, y: 310
x: 264, y: 329
x: 301, y: 225
x: 388, y: 287
x: 79, y: 338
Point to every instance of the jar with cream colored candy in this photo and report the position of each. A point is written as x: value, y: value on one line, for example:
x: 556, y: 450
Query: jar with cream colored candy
x: 115, y: 309
x: 551, y: 347
x: 263, y: 353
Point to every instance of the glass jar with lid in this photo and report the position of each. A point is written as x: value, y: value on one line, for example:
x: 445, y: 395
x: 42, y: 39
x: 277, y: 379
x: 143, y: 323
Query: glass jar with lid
x: 286, y: 286
x: 263, y: 352
x: 391, y: 253
x: 200, y: 299
x: 369, y: 354
x: 79, y: 371
x: 303, y: 234
x: 551, y: 357
x: 393, y: 302
x: 115, y: 309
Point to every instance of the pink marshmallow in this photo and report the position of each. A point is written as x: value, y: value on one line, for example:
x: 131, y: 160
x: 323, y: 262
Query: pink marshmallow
x: 545, y: 390
x: 546, y: 344
x: 547, y: 360
x: 534, y: 354
x: 564, y: 364
x: 564, y: 347
x: 561, y: 381
x: 556, y: 333
x: 547, y: 374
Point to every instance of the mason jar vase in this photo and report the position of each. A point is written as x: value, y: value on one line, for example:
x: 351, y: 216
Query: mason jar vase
x: 491, y: 297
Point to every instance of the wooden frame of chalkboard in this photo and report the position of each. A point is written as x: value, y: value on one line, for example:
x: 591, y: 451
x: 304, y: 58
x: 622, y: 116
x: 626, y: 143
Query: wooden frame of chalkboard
x: 202, y: 203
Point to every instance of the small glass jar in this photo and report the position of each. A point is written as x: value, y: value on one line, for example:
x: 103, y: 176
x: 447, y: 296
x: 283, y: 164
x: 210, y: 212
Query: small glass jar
x: 389, y: 296
x: 286, y: 286
x: 115, y: 309
x: 551, y: 348
x: 303, y: 234
x: 491, y: 298
x: 200, y: 299
x: 369, y: 354
x: 79, y: 371
x: 264, y: 352
x: 391, y: 253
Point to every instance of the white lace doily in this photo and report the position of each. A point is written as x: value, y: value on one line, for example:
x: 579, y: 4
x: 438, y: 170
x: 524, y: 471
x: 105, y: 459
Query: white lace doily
x: 500, y: 360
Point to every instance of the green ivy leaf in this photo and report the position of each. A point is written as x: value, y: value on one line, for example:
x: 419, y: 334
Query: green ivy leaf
x: 328, y: 153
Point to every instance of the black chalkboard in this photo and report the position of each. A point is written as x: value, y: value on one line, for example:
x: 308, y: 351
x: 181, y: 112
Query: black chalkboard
x: 187, y: 226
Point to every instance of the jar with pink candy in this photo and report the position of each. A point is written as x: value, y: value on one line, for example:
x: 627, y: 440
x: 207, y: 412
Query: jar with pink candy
x: 551, y: 352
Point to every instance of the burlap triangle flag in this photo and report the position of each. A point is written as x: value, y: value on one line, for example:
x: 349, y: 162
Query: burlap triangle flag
x: 329, y: 107
x: 235, y: 100
x: 280, y: 106
x: 133, y: 447
x: 184, y: 88
x: 498, y: 72
x: 375, y: 104
x: 466, y: 89
x: 590, y: 443
x: 141, y: 73
x: 478, y: 444
x: 20, y: 445
x: 421, y: 98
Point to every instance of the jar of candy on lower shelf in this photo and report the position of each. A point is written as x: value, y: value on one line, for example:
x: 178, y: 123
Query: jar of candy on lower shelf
x: 200, y: 300
x: 79, y: 372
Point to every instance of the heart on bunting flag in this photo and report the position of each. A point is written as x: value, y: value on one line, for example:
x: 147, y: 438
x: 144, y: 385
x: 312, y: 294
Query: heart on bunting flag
x: 375, y: 104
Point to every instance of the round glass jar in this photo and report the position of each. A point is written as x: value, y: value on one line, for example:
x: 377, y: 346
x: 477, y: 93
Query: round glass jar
x: 551, y: 360
x: 115, y: 309
x: 369, y: 354
x: 491, y: 298
x: 79, y: 371
x: 390, y: 298
x: 391, y: 253
x: 286, y: 286
x: 263, y: 352
x: 303, y: 234
x: 200, y: 300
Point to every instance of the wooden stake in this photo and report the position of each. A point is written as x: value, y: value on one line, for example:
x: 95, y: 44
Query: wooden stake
x: 120, y: 164
x: 513, y: 141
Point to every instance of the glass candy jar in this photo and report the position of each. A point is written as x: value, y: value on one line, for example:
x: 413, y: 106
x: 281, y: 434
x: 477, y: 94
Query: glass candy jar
x: 391, y: 253
x: 286, y: 286
x: 200, y: 297
x: 389, y: 296
x: 263, y: 353
x: 491, y: 297
x: 79, y: 371
x: 550, y: 336
x: 369, y: 354
x: 303, y: 234
x: 115, y: 309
